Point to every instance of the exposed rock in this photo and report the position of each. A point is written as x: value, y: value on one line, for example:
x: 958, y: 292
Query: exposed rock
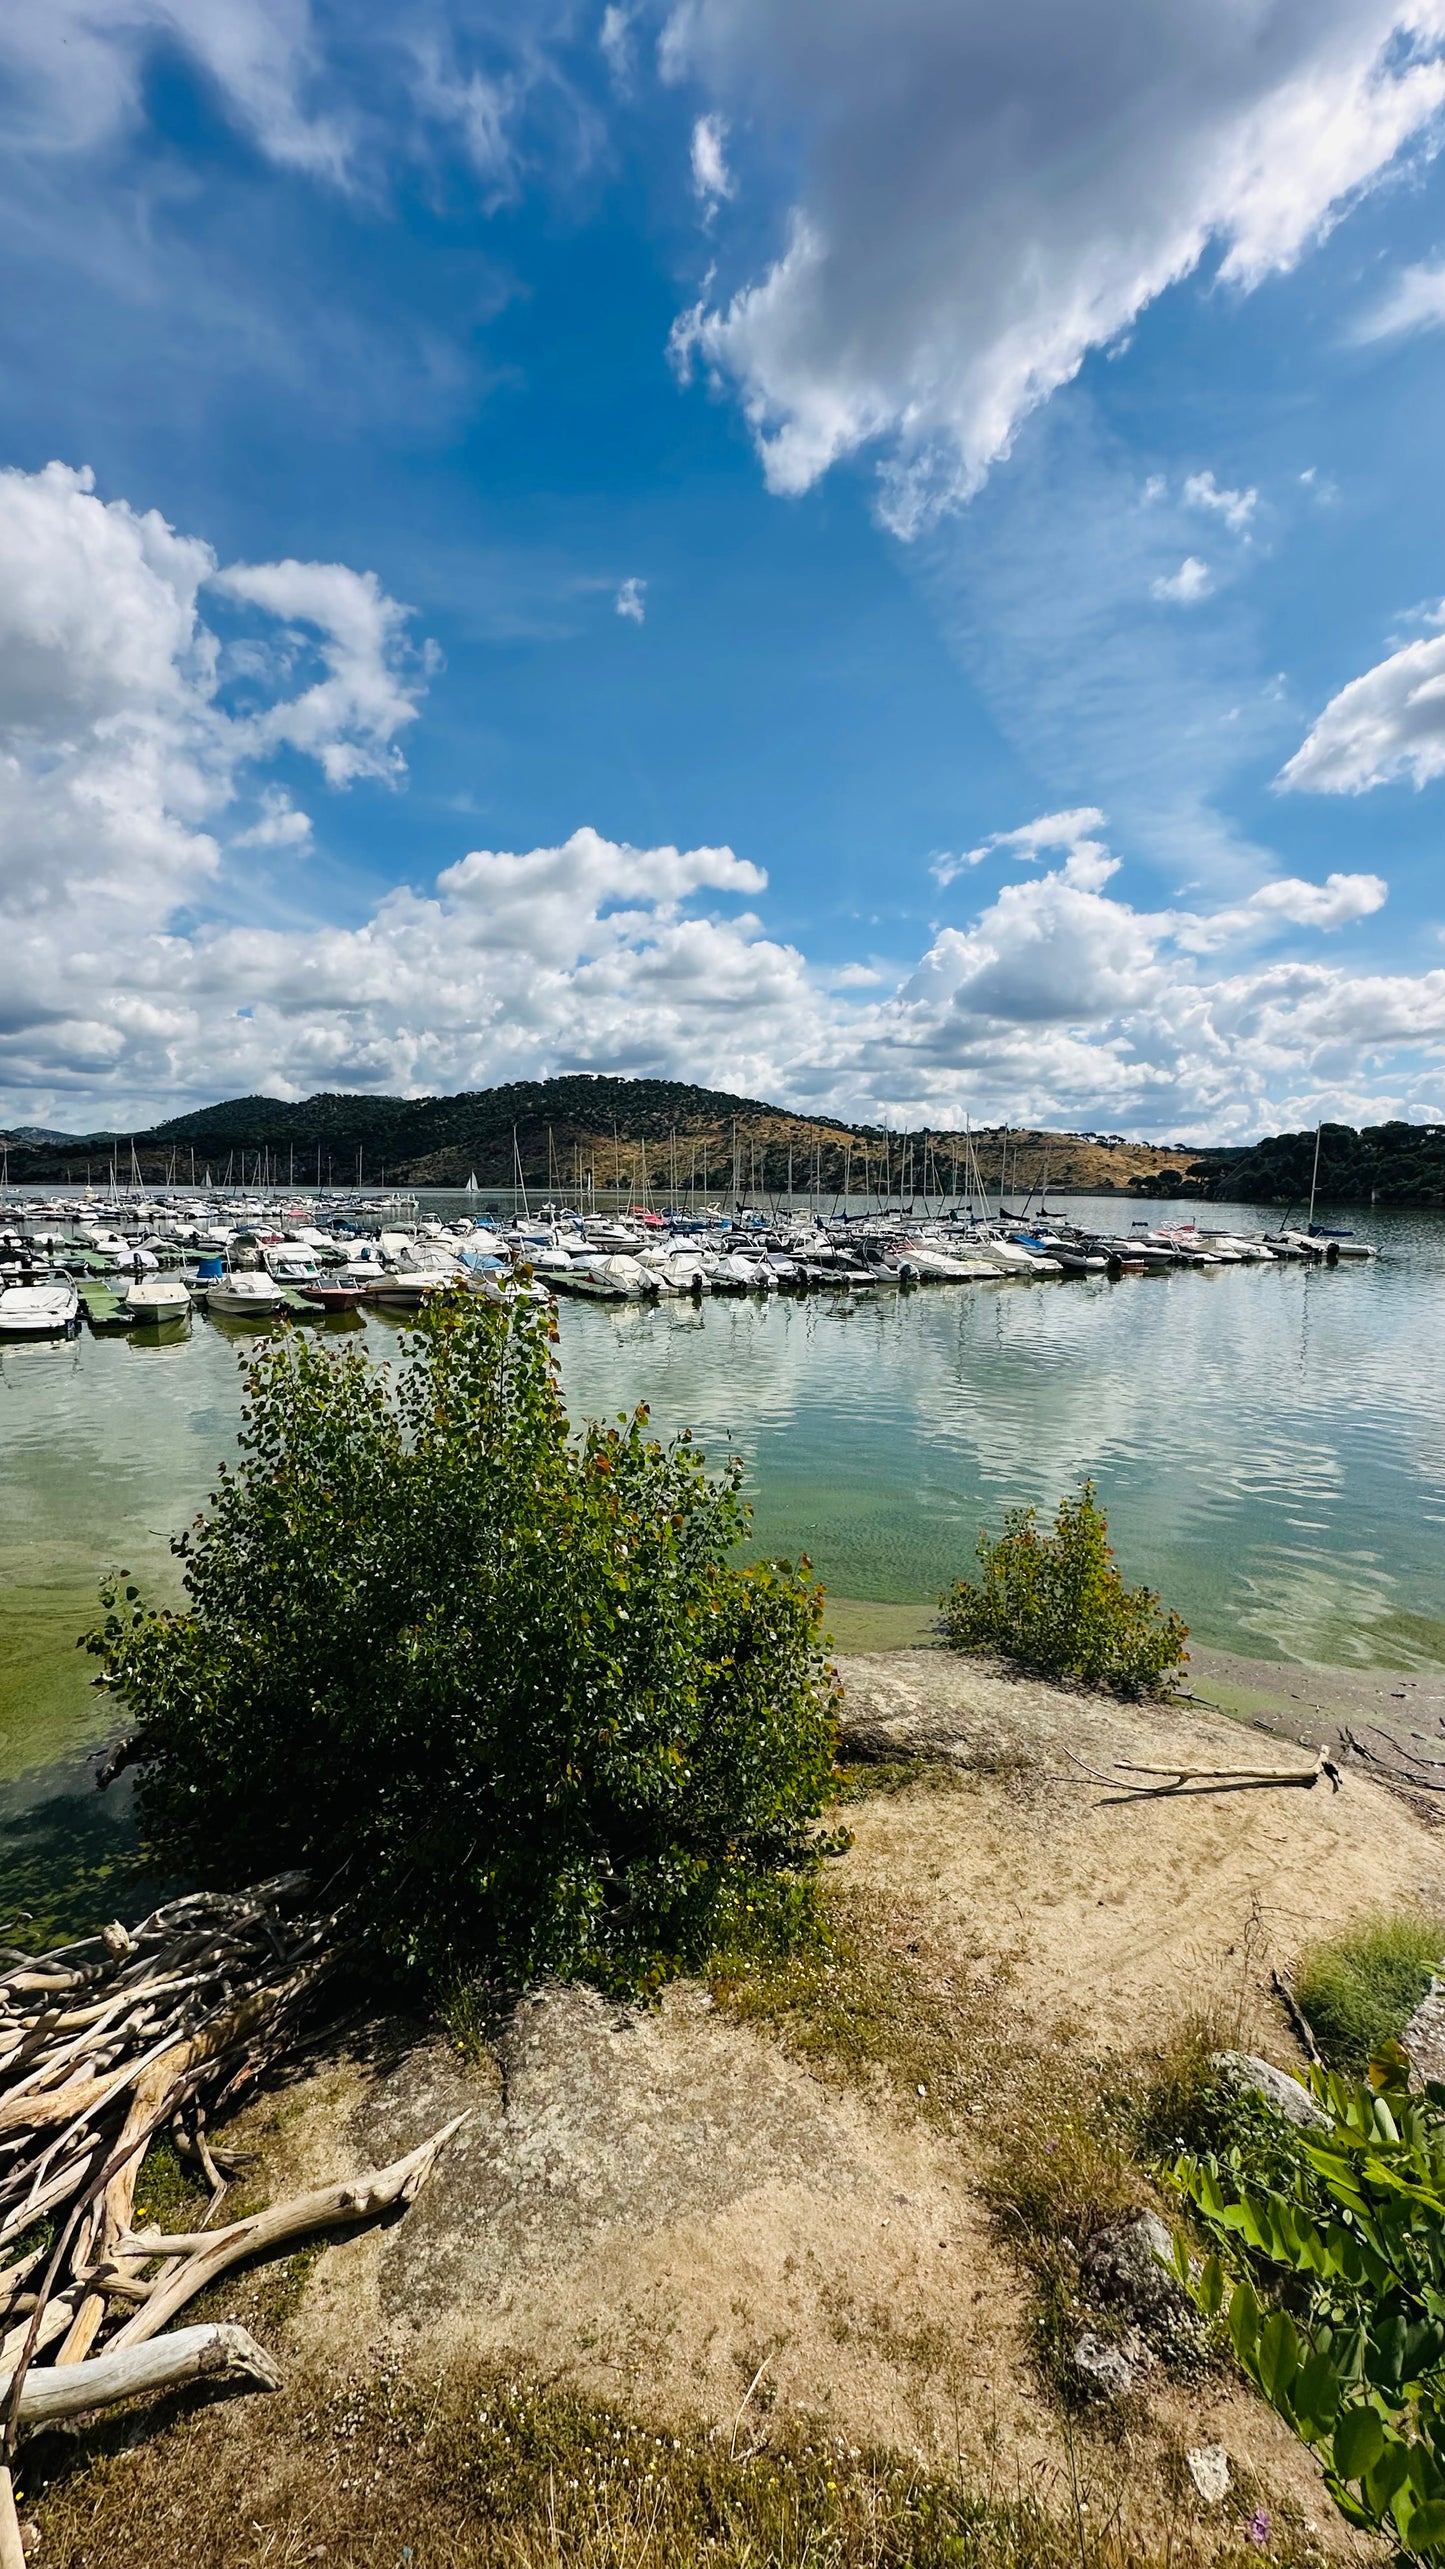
x: 1283, y: 2094
x: 1129, y: 2263
x: 1113, y: 2365
x: 1209, y: 2470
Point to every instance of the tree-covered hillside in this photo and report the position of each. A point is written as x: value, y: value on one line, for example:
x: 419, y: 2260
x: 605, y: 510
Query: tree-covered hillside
x: 1390, y: 1164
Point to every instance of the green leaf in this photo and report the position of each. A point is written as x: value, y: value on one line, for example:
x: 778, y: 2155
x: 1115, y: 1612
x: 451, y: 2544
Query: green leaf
x: 1277, y: 2359
x: 1359, y: 2440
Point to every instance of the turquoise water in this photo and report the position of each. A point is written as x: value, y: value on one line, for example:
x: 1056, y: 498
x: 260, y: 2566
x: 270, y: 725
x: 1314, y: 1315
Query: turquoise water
x: 1269, y: 1442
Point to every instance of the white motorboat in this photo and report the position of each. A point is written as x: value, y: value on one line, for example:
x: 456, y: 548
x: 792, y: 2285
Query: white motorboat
x: 243, y: 1293
x: 612, y: 1279
x: 421, y: 1270
x: 1015, y: 1259
x: 50, y: 1310
x: 157, y: 1301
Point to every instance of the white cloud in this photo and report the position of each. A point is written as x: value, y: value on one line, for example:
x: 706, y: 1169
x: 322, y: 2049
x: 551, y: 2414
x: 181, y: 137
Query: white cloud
x: 1235, y: 507
x: 1416, y: 301
x: 350, y: 717
x: 279, y: 823
x: 1182, y: 587
x: 304, y: 84
x: 631, y: 601
x: 76, y: 71
x: 1053, y: 830
x: 1336, y: 903
x: 615, y: 40
x: 711, y: 181
x: 145, y: 964
x: 1388, y: 724
x: 982, y: 197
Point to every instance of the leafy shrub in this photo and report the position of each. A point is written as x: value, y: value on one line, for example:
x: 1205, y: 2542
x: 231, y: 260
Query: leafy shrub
x: 1331, y: 2278
x: 1360, y: 1990
x: 497, y: 1686
x: 1055, y: 1602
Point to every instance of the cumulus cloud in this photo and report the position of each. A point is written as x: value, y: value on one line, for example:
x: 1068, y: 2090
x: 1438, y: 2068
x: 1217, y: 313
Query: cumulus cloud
x: 1235, y: 507
x: 1181, y: 588
x: 631, y: 601
x: 981, y: 198
x: 279, y: 823
x: 145, y: 694
x: 1415, y: 301
x: 1386, y: 725
x: 349, y: 719
x: 127, y: 723
x: 1336, y: 903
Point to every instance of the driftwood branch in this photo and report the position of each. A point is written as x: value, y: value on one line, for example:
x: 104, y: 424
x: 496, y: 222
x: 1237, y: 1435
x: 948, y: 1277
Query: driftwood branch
x: 12, y: 2549
x: 1184, y: 1779
x: 103, y: 2043
x: 210, y: 2253
x: 218, y: 2352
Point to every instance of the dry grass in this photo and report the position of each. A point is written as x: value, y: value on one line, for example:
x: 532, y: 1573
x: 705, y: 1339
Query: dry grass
x: 878, y: 2001
x: 493, y: 2472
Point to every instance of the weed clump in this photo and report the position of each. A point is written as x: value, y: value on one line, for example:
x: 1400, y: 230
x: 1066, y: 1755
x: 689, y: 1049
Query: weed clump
x: 1056, y: 1603
x: 1360, y: 1990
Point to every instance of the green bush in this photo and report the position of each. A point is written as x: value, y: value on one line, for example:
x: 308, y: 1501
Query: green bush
x: 497, y: 1687
x: 1055, y: 1602
x: 1330, y: 2276
x: 1360, y: 1990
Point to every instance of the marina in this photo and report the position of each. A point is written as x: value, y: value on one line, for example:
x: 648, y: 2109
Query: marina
x: 1267, y: 1432
x: 147, y: 1261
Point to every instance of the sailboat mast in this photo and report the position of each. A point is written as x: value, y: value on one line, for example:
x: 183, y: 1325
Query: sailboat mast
x: 1314, y: 1179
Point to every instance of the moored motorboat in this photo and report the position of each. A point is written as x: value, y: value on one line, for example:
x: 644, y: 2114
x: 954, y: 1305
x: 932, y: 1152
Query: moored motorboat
x: 296, y: 1271
x: 49, y: 1310
x: 239, y: 1293
x: 158, y: 1301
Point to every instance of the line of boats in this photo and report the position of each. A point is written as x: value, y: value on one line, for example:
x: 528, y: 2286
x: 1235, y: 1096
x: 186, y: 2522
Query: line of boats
x: 148, y: 1269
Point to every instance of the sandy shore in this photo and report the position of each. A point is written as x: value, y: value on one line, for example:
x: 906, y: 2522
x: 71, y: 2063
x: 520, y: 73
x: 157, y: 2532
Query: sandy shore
x: 1293, y: 1700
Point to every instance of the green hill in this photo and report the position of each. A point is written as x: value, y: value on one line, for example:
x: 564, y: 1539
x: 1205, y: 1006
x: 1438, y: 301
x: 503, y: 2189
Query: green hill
x: 1399, y: 1165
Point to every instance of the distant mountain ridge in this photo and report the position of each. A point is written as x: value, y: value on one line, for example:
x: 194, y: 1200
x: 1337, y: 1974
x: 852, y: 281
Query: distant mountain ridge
x: 621, y: 1132
x: 659, y: 1134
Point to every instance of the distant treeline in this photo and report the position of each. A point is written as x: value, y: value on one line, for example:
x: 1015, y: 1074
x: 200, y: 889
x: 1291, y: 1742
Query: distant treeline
x: 1392, y: 1164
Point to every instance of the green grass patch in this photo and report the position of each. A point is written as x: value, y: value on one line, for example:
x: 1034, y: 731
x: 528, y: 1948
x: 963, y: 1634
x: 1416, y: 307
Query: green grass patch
x: 1361, y: 1989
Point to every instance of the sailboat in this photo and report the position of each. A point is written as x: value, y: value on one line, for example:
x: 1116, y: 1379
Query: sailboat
x: 471, y: 1187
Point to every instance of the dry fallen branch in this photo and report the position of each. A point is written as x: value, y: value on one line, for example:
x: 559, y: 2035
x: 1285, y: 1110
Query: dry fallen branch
x: 1200, y: 1779
x: 218, y: 2352
x: 104, y: 2045
x: 209, y: 2253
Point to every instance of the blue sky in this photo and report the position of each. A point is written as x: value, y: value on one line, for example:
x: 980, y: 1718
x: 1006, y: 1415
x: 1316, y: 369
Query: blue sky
x: 865, y: 553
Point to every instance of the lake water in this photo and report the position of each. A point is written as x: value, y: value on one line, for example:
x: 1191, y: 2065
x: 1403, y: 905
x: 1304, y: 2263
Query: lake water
x: 1269, y: 1443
